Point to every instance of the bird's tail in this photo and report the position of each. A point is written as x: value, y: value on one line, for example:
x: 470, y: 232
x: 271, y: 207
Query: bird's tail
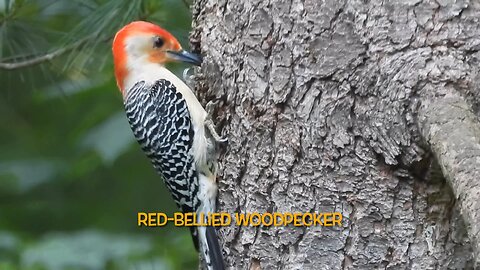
x: 210, y: 248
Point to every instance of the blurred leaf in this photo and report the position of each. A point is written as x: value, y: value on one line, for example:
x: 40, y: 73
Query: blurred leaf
x: 111, y: 138
x: 6, y: 5
x: 30, y: 173
x: 8, y: 243
x: 83, y: 250
x: 7, y: 266
x: 153, y: 264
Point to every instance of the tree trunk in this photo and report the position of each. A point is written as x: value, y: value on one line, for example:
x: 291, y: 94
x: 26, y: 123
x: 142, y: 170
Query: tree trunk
x: 330, y: 106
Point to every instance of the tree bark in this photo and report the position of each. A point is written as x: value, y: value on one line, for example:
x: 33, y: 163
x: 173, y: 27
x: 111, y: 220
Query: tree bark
x: 453, y: 132
x: 334, y: 106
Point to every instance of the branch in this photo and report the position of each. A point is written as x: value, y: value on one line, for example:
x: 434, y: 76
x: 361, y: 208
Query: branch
x: 42, y: 58
x: 453, y: 133
x: 33, y: 61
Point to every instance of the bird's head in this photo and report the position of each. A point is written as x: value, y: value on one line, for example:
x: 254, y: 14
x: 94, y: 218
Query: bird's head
x: 140, y: 43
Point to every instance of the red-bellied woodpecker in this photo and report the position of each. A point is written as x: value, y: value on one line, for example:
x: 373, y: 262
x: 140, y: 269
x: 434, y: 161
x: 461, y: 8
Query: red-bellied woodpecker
x: 168, y: 121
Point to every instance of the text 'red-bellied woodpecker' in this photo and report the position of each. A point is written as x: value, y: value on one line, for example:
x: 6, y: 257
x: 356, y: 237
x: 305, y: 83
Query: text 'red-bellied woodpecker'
x: 172, y: 127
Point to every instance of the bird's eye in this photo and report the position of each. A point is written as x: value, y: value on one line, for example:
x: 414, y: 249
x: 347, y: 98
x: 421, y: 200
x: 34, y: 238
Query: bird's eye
x: 158, y: 42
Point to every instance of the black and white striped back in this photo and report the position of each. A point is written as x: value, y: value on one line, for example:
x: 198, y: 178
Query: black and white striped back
x: 160, y: 120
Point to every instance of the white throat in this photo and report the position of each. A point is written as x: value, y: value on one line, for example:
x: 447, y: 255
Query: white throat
x: 149, y: 73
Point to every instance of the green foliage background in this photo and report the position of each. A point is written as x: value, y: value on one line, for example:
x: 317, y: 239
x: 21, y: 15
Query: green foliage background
x: 72, y: 178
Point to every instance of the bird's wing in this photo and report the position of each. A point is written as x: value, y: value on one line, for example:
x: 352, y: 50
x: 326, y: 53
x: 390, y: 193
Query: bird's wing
x: 160, y: 120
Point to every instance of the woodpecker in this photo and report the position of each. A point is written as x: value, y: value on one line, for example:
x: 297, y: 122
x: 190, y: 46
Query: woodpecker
x: 170, y: 124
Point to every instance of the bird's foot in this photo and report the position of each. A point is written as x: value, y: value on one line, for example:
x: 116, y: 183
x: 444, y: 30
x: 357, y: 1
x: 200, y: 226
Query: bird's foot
x: 211, y: 128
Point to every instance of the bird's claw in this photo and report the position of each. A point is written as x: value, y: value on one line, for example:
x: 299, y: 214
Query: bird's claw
x: 222, y: 140
x: 210, y: 125
x: 211, y: 129
x: 210, y: 107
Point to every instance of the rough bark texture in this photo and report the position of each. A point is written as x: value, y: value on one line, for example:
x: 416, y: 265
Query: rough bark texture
x: 453, y: 132
x: 320, y: 102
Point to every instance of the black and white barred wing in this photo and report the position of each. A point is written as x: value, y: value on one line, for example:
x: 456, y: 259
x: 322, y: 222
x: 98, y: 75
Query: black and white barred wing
x: 161, y: 123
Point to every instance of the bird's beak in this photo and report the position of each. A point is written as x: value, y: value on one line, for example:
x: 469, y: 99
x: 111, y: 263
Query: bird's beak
x: 186, y: 57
